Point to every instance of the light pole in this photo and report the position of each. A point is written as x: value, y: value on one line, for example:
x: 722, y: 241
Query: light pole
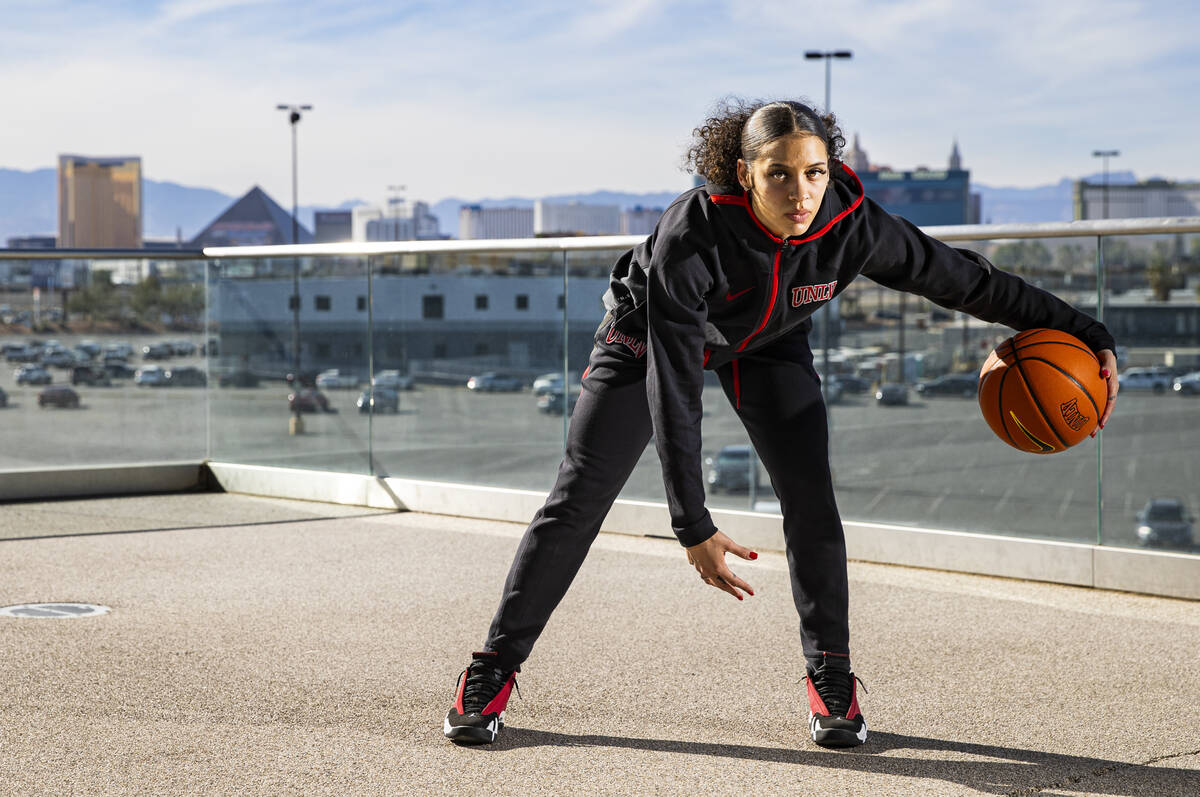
x: 812, y: 55
x: 294, y: 114
x: 1105, y: 154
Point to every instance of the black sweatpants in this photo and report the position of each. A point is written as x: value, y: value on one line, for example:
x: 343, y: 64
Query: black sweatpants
x: 776, y: 394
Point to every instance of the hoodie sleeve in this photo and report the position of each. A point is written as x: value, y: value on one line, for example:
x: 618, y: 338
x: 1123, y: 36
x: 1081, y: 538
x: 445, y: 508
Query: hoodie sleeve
x: 677, y: 281
x: 906, y: 259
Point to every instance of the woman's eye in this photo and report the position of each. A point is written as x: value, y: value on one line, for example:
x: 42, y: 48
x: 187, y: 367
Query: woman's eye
x: 778, y: 175
x: 815, y: 173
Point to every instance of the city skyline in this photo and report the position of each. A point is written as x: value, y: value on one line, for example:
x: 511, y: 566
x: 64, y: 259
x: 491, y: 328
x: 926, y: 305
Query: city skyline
x: 480, y: 100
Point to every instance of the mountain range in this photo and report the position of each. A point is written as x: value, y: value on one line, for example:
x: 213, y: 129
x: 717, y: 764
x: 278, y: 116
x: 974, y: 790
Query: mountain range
x: 28, y: 204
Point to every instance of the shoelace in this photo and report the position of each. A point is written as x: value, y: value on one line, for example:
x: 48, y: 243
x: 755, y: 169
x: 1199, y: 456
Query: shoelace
x: 484, y: 682
x: 835, y: 688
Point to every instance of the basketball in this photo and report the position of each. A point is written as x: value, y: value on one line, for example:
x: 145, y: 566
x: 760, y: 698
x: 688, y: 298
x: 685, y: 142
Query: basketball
x: 1041, y: 391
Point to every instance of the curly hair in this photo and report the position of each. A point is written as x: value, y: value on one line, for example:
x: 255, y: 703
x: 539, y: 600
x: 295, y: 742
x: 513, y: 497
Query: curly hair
x: 740, y: 128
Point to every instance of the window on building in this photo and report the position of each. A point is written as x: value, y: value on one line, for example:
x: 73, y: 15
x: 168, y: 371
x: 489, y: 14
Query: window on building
x: 293, y: 302
x: 562, y: 302
x: 522, y: 301
x: 323, y: 350
x: 433, y: 306
x: 362, y: 303
x: 481, y: 349
x: 439, y: 350
x: 481, y: 301
x: 321, y: 302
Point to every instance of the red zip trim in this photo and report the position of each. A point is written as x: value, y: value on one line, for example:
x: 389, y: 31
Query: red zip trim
x: 707, y: 354
x: 770, y: 305
x: 737, y: 386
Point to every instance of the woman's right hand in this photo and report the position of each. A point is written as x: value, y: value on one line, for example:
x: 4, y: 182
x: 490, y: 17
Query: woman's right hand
x: 709, y: 560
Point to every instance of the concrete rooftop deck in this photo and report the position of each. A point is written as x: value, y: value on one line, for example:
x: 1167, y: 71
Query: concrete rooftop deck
x: 260, y: 646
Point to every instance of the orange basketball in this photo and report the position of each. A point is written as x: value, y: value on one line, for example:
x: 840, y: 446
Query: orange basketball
x: 1041, y: 391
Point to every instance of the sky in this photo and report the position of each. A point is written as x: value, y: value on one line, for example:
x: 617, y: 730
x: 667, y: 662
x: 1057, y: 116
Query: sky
x: 477, y: 99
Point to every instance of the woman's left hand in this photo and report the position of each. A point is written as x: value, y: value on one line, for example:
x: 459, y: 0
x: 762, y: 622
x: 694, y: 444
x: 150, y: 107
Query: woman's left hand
x: 1108, y: 370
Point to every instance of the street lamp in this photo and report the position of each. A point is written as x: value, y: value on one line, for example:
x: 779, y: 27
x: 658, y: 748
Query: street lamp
x: 294, y: 113
x: 812, y: 55
x: 1105, y: 154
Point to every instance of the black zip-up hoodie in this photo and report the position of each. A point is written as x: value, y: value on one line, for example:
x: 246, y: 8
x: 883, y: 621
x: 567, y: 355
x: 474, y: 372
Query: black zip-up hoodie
x: 712, y: 283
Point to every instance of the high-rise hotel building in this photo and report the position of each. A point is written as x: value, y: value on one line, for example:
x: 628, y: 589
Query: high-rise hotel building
x: 99, y: 202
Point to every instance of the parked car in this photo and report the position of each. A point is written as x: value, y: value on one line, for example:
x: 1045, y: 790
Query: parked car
x: 120, y: 351
x: 892, y: 394
x: 551, y: 403
x: 182, y: 348
x: 1165, y: 521
x: 59, y: 358
x: 384, y: 399
x: 852, y: 384
x: 965, y: 385
x: 93, y: 375
x: 308, y: 399
x: 158, y: 351
x: 119, y: 369
x: 729, y: 470
x: 185, y: 376
x: 32, y: 375
x: 58, y: 396
x: 150, y: 376
x: 1155, y: 379
x: 88, y: 348
x: 394, y: 380
x: 333, y: 379
x: 3, y: 398
x: 1188, y: 384
x: 20, y: 353
x: 238, y: 379
x: 494, y: 381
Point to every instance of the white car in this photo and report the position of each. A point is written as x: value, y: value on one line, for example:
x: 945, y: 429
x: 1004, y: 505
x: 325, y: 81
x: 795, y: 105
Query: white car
x: 1155, y: 379
x: 394, y: 380
x: 1188, y: 384
x: 151, y: 376
x: 333, y: 379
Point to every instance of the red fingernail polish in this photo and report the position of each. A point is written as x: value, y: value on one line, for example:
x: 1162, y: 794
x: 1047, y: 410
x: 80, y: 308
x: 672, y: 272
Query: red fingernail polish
x: 753, y: 555
x: 739, y: 597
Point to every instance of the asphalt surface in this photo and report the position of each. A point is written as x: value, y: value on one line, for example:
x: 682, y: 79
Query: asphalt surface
x: 259, y: 646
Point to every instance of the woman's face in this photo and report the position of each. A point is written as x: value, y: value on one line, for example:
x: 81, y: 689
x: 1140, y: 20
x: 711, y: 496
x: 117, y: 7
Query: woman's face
x: 787, y: 182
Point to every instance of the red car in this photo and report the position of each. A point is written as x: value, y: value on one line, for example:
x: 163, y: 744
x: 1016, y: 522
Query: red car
x: 58, y: 396
x: 308, y: 400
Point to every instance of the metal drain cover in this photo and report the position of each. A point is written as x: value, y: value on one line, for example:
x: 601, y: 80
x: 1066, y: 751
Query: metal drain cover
x: 59, y: 611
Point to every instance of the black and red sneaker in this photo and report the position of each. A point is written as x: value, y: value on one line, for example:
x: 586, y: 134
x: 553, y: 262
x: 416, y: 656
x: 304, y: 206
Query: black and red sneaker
x: 833, y: 716
x: 477, y: 715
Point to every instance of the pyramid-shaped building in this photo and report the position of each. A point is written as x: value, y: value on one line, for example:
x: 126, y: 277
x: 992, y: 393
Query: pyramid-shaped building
x: 253, y: 220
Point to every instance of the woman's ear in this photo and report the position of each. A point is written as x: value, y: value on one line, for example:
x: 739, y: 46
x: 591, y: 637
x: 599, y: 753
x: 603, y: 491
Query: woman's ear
x: 743, y: 175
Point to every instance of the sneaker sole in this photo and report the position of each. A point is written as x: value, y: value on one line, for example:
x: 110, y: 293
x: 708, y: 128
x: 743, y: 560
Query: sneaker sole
x: 470, y: 734
x: 836, y: 737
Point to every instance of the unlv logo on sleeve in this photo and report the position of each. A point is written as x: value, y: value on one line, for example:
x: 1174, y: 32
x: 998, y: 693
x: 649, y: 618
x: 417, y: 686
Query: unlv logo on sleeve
x: 807, y: 294
x: 635, y: 345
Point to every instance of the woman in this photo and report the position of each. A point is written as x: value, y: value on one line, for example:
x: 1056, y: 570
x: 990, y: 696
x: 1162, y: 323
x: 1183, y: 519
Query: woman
x: 728, y: 282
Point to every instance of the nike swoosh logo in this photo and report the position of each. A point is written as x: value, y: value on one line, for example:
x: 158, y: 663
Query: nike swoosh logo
x: 1043, y: 448
x: 729, y: 297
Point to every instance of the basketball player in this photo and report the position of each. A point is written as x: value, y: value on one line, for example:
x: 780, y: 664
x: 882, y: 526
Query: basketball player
x: 728, y: 282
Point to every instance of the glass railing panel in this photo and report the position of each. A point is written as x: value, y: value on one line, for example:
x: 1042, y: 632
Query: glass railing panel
x: 912, y: 447
x: 287, y: 377
x: 1151, y: 473
x: 477, y: 340
x: 104, y: 362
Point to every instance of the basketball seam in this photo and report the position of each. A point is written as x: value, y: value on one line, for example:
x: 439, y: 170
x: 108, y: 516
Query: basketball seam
x: 1070, y: 376
x: 1037, y: 402
x: 1000, y: 410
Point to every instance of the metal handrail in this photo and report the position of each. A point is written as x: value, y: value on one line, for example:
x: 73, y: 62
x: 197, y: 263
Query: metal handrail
x: 947, y: 233
x: 101, y: 254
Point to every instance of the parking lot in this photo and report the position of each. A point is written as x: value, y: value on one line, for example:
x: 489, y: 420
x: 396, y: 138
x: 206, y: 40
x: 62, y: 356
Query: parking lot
x: 933, y: 463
